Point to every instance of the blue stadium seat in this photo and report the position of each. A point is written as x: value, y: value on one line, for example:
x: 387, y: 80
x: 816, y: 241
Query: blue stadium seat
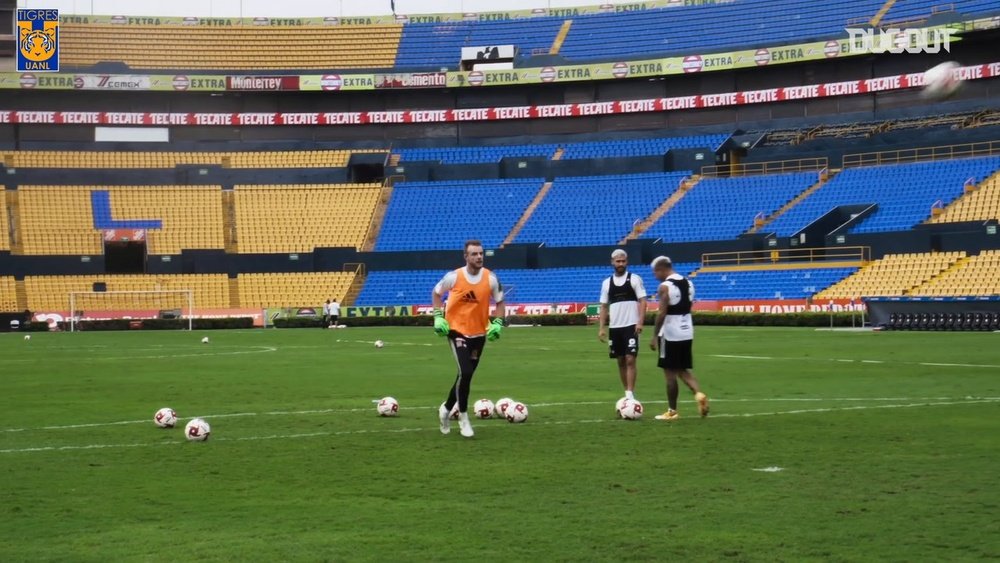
x: 480, y: 154
x: 639, y: 147
x: 595, y: 210
x: 724, y: 208
x: 442, y: 215
x: 903, y: 192
x: 766, y: 284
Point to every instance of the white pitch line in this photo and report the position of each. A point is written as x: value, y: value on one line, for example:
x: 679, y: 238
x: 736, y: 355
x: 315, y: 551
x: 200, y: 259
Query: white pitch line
x: 532, y: 405
x: 249, y: 350
x: 849, y: 360
x: 428, y: 429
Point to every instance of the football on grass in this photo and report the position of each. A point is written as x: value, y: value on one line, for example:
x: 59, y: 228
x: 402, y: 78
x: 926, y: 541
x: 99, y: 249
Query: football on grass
x: 197, y: 430
x: 387, y: 406
x: 165, y: 417
x: 483, y: 408
x: 517, y: 412
x: 631, y: 410
x: 502, y: 406
x: 618, y: 406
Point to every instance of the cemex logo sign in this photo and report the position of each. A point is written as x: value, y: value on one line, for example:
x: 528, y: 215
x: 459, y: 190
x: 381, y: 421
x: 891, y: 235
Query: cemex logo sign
x: 895, y: 40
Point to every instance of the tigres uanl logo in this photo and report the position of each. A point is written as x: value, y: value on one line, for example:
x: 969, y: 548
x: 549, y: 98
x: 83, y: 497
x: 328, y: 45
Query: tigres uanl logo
x: 38, y: 40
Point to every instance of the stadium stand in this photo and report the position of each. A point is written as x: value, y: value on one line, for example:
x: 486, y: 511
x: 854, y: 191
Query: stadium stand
x: 434, y: 45
x: 483, y: 209
x: 236, y: 47
x: 123, y: 159
x: 8, y: 294
x: 51, y: 293
x: 971, y: 276
x: 468, y: 155
x: 547, y: 285
x: 724, y: 208
x: 640, y: 147
x: 904, y: 193
x: 300, y: 218
x: 980, y: 205
x: 891, y: 275
x: 607, y: 206
x: 916, y: 10
x: 292, y: 289
x: 4, y: 223
x: 766, y: 284
x: 60, y: 219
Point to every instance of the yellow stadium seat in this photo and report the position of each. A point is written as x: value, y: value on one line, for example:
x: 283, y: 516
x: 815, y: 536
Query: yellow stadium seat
x: 260, y: 159
x: 892, y: 275
x: 309, y: 289
x: 980, y: 205
x: 8, y: 294
x: 300, y: 218
x: 51, y: 293
x: 973, y: 276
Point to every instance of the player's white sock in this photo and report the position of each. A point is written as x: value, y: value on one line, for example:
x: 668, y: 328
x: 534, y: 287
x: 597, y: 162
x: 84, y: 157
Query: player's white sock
x: 630, y: 395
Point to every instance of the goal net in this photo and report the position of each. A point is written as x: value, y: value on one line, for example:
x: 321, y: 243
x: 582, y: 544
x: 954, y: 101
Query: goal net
x: 153, y: 304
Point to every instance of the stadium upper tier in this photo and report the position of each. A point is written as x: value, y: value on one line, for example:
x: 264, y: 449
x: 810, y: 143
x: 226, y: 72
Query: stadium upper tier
x: 431, y: 46
x: 151, y: 159
x: 904, y: 193
x: 583, y: 150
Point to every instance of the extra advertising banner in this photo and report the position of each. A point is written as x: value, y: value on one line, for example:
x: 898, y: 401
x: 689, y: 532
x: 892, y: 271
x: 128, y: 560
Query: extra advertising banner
x: 53, y: 318
x: 82, y: 81
x: 385, y: 19
x: 723, y: 99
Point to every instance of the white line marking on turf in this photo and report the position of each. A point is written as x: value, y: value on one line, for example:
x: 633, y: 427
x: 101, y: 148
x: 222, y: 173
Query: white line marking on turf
x: 532, y: 405
x: 803, y: 358
x: 244, y: 350
x: 771, y: 469
x: 543, y: 423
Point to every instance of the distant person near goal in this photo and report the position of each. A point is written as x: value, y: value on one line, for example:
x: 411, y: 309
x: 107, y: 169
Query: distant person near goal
x: 331, y: 311
x: 623, y: 308
x: 674, y: 336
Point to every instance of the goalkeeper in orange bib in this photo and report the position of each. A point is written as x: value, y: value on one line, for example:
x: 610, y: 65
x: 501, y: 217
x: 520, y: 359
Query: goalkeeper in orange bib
x: 466, y: 322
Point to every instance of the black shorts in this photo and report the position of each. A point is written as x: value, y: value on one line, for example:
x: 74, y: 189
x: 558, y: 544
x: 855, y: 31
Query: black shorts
x: 675, y: 355
x: 466, y: 348
x: 334, y: 319
x: 622, y: 342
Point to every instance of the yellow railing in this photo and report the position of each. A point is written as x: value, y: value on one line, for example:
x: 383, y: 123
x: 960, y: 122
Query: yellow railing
x: 985, y: 148
x: 358, y: 268
x: 771, y: 167
x: 787, y: 256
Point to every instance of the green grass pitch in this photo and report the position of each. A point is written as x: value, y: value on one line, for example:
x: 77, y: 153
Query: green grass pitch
x: 889, y: 445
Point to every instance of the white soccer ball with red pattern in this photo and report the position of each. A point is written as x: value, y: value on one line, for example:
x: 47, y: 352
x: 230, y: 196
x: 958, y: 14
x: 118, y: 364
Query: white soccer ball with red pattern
x: 197, y: 430
x: 517, y: 412
x: 941, y: 81
x: 502, y: 405
x: 631, y: 409
x: 165, y: 418
x: 387, y: 406
x: 483, y: 408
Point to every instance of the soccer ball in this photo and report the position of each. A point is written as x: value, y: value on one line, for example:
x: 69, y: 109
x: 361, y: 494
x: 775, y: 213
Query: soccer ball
x: 204, y: 340
x: 517, y: 412
x: 387, y: 407
x: 27, y: 337
x: 941, y: 81
x: 197, y: 430
x: 631, y: 410
x: 483, y: 408
x: 165, y: 417
x: 379, y: 344
x: 618, y: 406
x: 502, y: 406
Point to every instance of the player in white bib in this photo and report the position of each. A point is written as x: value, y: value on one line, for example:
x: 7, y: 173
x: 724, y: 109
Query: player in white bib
x: 674, y: 335
x: 623, y: 308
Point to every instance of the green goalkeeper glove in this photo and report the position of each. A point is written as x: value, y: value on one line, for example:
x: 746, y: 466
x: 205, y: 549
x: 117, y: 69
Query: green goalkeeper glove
x: 441, y: 327
x: 496, y: 327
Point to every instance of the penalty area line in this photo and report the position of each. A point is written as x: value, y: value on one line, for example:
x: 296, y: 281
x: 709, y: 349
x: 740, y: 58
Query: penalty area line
x: 542, y: 423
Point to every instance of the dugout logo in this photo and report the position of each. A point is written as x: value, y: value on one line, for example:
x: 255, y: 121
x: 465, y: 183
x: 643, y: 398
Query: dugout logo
x: 37, y: 36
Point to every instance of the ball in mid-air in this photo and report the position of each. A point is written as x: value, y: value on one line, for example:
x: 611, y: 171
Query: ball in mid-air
x: 197, y: 430
x: 941, y: 81
x: 379, y: 344
x: 387, y: 406
x: 27, y: 337
x: 204, y: 340
x: 502, y: 406
x: 631, y: 410
x: 165, y: 418
x: 517, y: 412
x: 483, y: 408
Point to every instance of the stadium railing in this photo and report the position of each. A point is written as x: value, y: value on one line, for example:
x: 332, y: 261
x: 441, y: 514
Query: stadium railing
x: 947, y: 152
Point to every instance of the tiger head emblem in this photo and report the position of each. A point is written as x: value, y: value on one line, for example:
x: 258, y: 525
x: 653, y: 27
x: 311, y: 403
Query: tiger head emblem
x: 37, y: 44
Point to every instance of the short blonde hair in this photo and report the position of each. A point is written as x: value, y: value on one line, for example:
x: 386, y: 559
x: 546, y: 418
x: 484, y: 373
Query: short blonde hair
x: 619, y: 253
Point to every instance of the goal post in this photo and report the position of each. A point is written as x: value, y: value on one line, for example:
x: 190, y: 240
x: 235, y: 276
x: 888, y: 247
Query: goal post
x: 99, y: 304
